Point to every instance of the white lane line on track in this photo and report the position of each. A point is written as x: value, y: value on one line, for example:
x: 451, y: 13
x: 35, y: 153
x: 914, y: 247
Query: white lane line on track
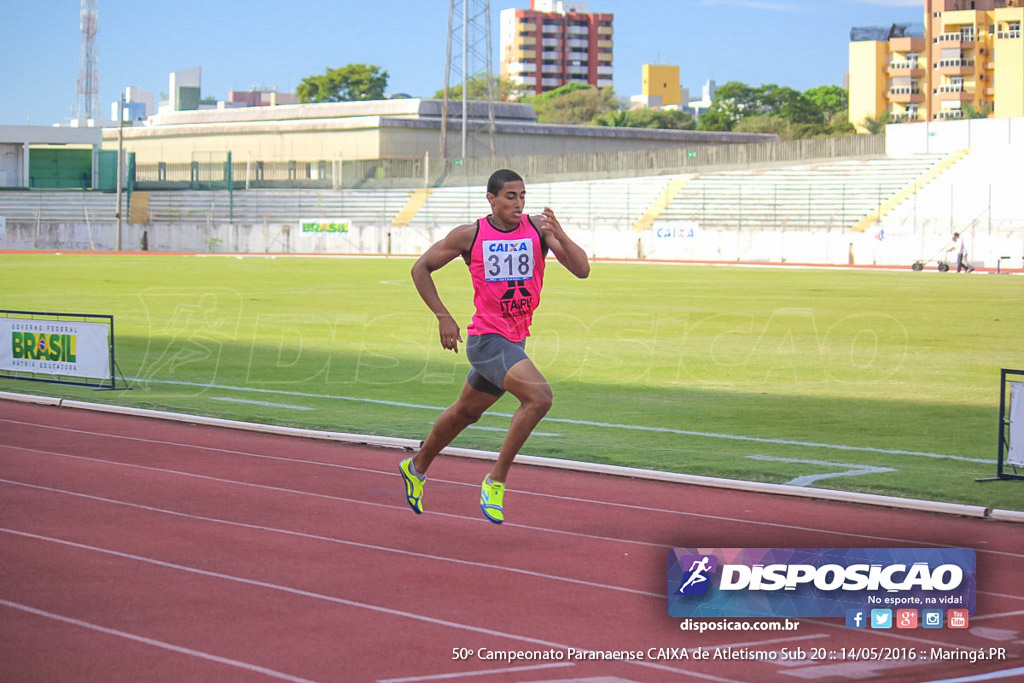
x: 752, y: 522
x: 886, y: 635
x: 587, y: 423
x: 359, y: 605
x: 535, y: 528
x: 902, y: 637
x: 1013, y: 674
x: 268, y: 404
x: 471, y: 674
x: 808, y: 479
x: 329, y: 539
x: 155, y: 643
x: 556, y: 463
x: 999, y: 615
x: 505, y: 429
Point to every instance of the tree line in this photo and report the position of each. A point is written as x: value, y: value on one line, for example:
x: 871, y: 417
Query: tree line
x: 736, y: 106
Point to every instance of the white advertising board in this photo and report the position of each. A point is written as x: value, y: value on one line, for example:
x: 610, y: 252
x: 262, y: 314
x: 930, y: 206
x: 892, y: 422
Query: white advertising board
x: 55, y: 347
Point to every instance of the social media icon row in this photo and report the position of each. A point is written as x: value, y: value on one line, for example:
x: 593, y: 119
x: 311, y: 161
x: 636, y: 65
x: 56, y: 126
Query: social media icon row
x: 906, y: 618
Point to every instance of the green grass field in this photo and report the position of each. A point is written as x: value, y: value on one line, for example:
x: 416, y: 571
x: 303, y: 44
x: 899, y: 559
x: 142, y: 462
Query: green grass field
x: 889, y: 379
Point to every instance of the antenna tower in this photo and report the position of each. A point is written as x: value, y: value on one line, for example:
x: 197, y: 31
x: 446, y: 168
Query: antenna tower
x: 468, y: 56
x: 87, y: 106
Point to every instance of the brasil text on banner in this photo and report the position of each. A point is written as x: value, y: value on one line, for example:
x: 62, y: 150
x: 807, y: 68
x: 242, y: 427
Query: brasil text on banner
x: 323, y: 226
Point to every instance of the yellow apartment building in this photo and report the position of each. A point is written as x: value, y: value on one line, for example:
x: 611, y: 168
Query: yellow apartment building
x: 971, y: 55
x: 662, y: 80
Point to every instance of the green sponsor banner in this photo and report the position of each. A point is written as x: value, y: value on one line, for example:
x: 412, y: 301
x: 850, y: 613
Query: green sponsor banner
x: 324, y: 226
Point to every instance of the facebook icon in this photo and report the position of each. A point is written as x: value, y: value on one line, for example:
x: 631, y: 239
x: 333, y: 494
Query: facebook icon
x: 856, y: 618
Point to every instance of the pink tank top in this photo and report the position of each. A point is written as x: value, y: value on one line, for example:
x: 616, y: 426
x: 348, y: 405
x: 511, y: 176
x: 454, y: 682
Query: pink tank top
x: 508, y: 273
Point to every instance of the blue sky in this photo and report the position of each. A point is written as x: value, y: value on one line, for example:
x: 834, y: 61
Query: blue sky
x: 266, y: 43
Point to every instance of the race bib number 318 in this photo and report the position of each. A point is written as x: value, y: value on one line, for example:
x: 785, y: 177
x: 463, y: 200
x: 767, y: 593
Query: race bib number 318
x: 508, y: 260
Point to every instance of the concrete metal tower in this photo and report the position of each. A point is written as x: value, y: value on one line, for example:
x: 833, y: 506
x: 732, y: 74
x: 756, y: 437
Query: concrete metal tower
x: 87, y: 105
x: 468, y: 56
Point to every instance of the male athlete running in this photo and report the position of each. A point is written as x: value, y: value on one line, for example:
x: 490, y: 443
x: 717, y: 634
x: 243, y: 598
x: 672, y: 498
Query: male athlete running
x: 505, y: 253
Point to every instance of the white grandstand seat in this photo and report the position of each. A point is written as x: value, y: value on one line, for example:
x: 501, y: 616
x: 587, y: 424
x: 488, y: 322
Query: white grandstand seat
x: 806, y: 197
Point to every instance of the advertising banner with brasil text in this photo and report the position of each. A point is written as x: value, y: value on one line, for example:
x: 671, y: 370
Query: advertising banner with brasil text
x: 817, y: 582
x: 323, y: 226
x: 54, y: 347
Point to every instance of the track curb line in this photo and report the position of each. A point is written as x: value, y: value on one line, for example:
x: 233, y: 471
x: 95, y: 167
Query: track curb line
x: 975, y: 511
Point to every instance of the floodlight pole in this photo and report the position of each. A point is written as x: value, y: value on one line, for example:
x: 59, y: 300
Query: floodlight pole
x: 474, y: 24
x: 447, y: 77
x: 465, y: 78
x: 120, y: 170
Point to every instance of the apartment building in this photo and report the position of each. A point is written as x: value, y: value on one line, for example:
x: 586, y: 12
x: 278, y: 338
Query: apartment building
x: 970, y: 55
x: 554, y: 43
x: 661, y: 81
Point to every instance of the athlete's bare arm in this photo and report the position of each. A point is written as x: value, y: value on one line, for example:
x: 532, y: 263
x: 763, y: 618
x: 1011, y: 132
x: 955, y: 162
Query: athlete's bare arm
x: 457, y: 243
x: 568, y: 253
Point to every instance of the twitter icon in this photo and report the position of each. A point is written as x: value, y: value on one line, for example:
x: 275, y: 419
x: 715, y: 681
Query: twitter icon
x: 881, y: 618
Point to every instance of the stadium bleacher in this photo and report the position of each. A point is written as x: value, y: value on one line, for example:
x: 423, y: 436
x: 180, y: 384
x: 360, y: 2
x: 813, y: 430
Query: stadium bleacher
x: 580, y: 204
x: 833, y: 195
x: 57, y: 205
x: 905, y: 206
x: 822, y: 195
x: 983, y: 189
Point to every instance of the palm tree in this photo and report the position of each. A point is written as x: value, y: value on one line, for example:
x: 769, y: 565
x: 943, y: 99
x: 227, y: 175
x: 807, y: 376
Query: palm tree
x: 972, y: 112
x: 615, y: 119
x: 876, y: 126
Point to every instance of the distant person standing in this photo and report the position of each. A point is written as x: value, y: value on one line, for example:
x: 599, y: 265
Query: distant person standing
x: 505, y: 253
x: 961, y: 253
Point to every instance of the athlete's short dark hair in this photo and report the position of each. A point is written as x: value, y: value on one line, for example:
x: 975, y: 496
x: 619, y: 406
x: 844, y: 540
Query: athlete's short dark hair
x: 500, y: 178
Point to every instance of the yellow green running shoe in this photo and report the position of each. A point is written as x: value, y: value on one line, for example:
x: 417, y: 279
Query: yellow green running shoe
x: 413, y: 486
x: 492, y: 495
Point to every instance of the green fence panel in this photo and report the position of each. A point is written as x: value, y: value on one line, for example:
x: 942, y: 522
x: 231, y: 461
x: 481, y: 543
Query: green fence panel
x: 107, y: 170
x: 60, y: 168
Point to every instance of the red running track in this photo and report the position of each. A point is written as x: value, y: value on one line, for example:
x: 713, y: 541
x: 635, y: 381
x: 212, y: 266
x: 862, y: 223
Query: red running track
x: 138, y: 549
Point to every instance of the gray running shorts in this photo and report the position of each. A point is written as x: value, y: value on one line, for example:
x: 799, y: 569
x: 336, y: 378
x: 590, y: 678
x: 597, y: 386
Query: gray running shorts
x: 491, y: 356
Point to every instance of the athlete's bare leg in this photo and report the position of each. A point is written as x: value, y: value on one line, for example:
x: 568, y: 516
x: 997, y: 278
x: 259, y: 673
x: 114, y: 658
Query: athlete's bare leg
x: 470, y: 406
x: 525, y: 382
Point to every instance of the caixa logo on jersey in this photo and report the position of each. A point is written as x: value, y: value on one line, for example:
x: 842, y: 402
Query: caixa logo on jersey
x: 817, y: 582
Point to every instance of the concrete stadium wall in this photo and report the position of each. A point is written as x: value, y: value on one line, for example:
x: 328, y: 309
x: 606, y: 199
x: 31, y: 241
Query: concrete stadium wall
x: 931, y: 137
x: 376, y: 130
x: 383, y: 139
x: 17, y: 142
x: 273, y: 238
x: 681, y: 243
x: 10, y: 164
